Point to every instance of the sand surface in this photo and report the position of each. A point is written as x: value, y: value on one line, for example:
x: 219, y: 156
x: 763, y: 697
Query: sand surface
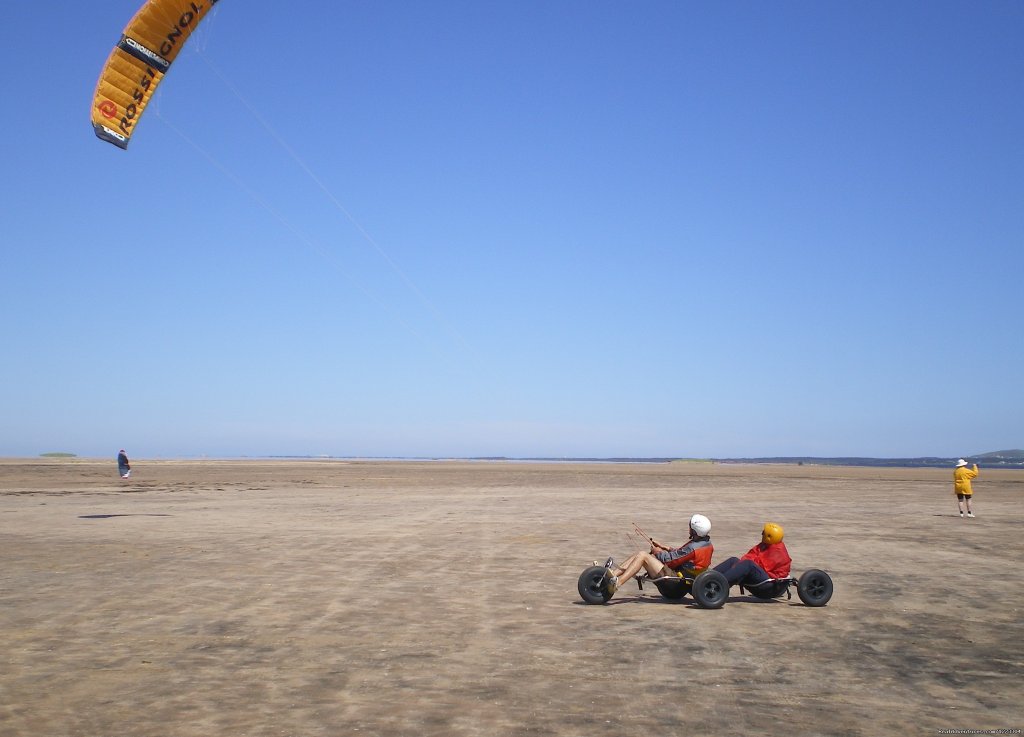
x: 339, y: 598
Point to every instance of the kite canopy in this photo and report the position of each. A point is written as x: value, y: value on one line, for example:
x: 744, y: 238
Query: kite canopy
x: 150, y: 42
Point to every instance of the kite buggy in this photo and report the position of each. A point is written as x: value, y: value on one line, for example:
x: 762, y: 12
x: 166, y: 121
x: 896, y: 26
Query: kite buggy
x: 756, y: 573
x: 709, y: 588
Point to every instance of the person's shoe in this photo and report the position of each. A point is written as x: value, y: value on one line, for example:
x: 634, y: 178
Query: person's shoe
x: 961, y: 515
x: 611, y: 584
x: 610, y: 563
x: 971, y: 515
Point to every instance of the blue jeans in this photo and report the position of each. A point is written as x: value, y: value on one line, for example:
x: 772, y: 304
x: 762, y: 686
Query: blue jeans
x: 745, y: 572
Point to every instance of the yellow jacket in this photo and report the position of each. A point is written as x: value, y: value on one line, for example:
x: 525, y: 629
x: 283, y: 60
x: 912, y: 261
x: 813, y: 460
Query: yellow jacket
x: 962, y: 479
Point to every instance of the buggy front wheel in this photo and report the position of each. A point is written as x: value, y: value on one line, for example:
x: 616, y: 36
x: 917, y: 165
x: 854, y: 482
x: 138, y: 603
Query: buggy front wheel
x: 593, y: 585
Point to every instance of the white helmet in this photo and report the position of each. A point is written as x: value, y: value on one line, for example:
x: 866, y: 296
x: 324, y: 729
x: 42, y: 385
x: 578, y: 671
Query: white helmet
x: 700, y: 525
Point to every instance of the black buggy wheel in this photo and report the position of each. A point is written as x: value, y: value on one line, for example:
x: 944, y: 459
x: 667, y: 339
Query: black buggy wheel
x: 814, y: 587
x: 711, y: 589
x: 593, y: 585
x: 673, y: 589
x: 767, y: 590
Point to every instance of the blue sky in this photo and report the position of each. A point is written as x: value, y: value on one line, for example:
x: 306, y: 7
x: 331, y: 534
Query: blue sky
x: 520, y: 228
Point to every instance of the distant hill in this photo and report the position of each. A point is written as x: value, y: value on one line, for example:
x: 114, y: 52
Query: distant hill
x: 1005, y: 456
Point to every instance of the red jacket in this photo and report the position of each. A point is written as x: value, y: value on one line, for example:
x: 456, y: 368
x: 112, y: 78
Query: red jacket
x: 774, y: 559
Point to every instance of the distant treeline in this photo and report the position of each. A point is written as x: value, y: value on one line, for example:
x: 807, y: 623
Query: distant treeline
x: 793, y: 460
x: 998, y: 459
x: 988, y: 460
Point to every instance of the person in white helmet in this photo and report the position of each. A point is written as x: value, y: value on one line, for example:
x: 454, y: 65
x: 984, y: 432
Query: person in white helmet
x: 666, y: 560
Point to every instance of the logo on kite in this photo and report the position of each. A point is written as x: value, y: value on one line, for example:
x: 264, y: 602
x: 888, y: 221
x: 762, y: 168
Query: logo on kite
x: 148, y: 45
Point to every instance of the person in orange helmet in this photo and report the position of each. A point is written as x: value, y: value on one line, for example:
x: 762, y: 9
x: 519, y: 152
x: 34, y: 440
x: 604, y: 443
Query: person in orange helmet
x: 768, y: 559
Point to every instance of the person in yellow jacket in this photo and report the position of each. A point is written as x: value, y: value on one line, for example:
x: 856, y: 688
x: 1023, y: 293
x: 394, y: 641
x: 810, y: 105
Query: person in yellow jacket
x: 962, y: 476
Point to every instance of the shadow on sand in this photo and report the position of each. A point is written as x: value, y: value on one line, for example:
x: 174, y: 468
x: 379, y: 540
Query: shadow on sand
x: 687, y: 602
x: 108, y: 516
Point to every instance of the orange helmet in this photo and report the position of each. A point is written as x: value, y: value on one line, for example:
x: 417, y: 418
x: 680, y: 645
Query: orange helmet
x: 771, y: 534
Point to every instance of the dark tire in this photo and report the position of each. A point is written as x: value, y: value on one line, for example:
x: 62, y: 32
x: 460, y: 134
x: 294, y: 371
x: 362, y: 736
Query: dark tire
x: 592, y: 585
x: 814, y: 587
x: 711, y: 589
x: 768, y: 591
x: 673, y: 589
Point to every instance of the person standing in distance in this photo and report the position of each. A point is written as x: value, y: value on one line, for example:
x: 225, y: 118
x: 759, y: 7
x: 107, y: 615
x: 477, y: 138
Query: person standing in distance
x: 123, y: 467
x: 962, y: 476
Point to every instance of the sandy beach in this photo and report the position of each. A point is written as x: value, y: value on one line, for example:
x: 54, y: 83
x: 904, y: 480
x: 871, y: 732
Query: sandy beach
x: 259, y: 598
